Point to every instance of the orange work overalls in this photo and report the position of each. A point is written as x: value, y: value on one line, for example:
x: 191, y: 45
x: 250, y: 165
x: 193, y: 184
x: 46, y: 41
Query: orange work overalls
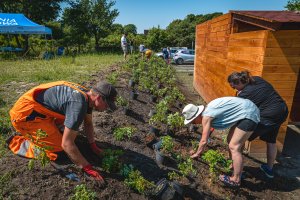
x: 46, y: 120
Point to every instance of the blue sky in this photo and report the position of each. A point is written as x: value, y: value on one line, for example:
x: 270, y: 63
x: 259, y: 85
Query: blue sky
x: 151, y: 13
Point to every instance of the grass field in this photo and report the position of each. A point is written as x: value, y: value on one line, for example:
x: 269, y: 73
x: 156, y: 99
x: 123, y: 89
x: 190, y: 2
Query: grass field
x: 16, y: 77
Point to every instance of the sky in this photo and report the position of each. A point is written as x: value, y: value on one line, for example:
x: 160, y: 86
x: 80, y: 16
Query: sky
x: 146, y: 14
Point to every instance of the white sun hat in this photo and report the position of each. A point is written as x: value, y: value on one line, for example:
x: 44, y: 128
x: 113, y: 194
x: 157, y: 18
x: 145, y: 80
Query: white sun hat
x: 190, y: 112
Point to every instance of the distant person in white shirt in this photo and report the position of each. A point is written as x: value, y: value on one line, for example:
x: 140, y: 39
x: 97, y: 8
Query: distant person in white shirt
x: 124, y: 45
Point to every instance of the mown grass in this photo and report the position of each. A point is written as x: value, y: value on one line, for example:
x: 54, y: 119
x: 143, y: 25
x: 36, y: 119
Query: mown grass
x: 16, y: 77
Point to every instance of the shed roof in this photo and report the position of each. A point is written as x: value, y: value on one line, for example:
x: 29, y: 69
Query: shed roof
x: 271, y: 20
x: 271, y: 16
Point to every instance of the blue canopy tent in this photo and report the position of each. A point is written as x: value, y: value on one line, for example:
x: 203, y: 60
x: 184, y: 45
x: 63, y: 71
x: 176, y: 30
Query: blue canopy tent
x: 14, y: 23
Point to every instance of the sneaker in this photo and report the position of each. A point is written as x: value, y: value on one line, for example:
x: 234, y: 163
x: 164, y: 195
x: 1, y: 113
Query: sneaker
x: 266, y: 169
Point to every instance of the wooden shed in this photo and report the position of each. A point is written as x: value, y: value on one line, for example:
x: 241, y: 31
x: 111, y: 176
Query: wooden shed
x: 266, y: 43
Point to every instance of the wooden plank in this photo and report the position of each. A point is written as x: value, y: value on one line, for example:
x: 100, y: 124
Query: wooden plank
x: 220, y: 18
x: 282, y: 60
x: 252, y: 66
x: 235, y: 68
x: 279, y: 84
x: 278, y: 52
x: 257, y: 50
x: 286, y: 43
x: 285, y: 34
x: 220, y: 23
x: 281, y: 69
x: 250, y: 34
x: 247, y: 42
x: 245, y: 56
x: 281, y: 76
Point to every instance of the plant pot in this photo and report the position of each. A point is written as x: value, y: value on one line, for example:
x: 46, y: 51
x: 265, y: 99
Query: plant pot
x: 133, y: 95
x: 154, y: 130
x: 165, y: 191
x: 150, y: 140
x: 153, y: 98
x: 160, y: 157
x: 126, y: 111
x: 179, y: 104
x: 178, y: 187
x: 151, y: 113
x: 157, y: 145
x: 170, y: 132
x: 131, y: 83
x: 193, y: 128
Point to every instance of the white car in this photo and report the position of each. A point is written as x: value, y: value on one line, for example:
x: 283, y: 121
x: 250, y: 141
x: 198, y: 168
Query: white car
x: 184, y: 56
x: 173, y: 51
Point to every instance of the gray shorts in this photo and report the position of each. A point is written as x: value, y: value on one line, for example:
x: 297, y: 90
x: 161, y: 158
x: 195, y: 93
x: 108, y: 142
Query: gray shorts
x: 125, y: 49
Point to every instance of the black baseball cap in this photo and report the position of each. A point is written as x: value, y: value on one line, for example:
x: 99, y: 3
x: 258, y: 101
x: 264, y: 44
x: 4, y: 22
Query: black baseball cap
x: 108, y: 93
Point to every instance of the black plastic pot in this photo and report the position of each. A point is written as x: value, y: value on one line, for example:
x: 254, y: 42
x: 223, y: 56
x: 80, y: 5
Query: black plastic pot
x: 126, y: 111
x: 154, y: 130
x: 151, y: 113
x: 170, y: 132
x: 179, y: 104
x: 157, y: 145
x: 178, y: 187
x: 150, y: 140
x: 193, y: 128
x: 131, y: 83
x: 165, y: 191
x: 133, y: 95
x: 153, y: 98
x: 160, y: 157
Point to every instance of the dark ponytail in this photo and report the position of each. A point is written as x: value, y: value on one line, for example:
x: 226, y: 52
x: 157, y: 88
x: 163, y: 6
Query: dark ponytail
x: 243, y: 77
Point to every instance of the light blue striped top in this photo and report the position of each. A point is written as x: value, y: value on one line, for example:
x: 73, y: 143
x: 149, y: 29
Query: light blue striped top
x: 227, y: 111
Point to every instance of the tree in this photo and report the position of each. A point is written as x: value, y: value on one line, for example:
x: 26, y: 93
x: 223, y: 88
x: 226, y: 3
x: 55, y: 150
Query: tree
x: 91, y: 18
x: 293, y: 5
x: 130, y: 28
x: 117, y: 28
x: 156, y: 39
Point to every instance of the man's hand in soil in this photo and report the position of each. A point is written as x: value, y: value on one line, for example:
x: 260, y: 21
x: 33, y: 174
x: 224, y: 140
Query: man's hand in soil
x: 96, y: 149
x: 91, y: 172
x: 194, y: 154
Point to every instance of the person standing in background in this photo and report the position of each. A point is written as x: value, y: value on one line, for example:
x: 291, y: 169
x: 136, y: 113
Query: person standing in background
x: 124, y: 45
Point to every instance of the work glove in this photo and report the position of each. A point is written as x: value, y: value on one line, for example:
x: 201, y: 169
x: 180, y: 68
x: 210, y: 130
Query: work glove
x: 91, y: 172
x: 96, y: 149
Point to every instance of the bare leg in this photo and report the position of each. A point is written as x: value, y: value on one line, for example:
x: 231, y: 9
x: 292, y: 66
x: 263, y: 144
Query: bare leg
x: 235, y: 145
x: 229, y: 136
x: 271, y: 154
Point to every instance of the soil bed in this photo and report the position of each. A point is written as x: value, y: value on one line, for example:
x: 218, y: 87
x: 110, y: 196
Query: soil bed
x: 48, y: 183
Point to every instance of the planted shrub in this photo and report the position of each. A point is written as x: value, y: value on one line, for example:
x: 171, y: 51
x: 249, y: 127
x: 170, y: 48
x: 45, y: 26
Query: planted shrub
x: 126, y: 169
x: 111, y: 160
x: 124, y: 133
x: 167, y: 144
x: 185, y: 166
x: 173, y: 176
x: 82, y: 193
x: 39, y: 148
x: 216, y: 161
x: 137, y: 182
x: 112, y: 78
x: 121, y: 101
x: 175, y: 120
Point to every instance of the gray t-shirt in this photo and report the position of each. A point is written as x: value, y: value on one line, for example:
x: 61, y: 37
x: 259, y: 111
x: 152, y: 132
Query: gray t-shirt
x: 66, y: 101
x: 227, y: 111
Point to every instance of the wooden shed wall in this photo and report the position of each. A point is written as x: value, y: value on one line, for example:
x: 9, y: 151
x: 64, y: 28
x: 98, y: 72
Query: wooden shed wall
x: 273, y: 55
x: 281, y: 68
x: 211, y: 56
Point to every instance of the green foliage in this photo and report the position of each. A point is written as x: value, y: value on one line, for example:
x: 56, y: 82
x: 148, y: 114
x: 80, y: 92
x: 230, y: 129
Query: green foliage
x: 40, y: 149
x: 111, y: 160
x: 3, y: 149
x: 173, y: 176
x: 161, y: 110
x: 175, y: 120
x: 5, y: 125
x: 156, y: 39
x: 185, y: 166
x: 121, y: 101
x: 130, y: 28
x: 112, y: 78
x: 124, y: 133
x: 293, y: 5
x: 6, y: 186
x: 137, y: 182
x: 195, y: 145
x: 216, y: 162
x: 126, y: 170
x: 167, y: 144
x: 82, y: 193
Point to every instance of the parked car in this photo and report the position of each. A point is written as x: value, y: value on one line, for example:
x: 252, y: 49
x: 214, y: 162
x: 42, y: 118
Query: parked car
x: 184, y: 56
x: 173, y: 51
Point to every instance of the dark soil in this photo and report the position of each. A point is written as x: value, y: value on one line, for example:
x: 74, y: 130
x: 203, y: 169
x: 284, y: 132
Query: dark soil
x: 48, y: 183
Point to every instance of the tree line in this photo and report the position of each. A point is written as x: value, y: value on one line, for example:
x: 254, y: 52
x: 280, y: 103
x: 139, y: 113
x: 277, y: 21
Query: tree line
x: 88, y: 25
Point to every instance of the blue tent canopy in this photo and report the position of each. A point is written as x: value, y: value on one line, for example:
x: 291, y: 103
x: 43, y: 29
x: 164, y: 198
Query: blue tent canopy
x: 13, y: 23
